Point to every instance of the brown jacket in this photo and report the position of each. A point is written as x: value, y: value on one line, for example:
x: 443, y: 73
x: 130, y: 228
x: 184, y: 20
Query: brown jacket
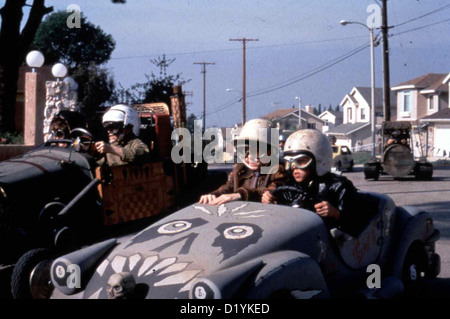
x: 242, y: 180
x: 134, y: 151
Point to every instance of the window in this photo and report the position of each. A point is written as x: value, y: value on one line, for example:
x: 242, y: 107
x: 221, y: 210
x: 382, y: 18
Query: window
x: 363, y: 113
x: 436, y: 102
x: 311, y: 126
x: 326, y: 122
x: 430, y: 102
x: 349, y: 114
x: 407, y: 101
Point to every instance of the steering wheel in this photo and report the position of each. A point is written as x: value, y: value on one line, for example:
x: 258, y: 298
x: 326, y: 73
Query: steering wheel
x: 65, y: 141
x: 287, y: 195
x: 83, y: 139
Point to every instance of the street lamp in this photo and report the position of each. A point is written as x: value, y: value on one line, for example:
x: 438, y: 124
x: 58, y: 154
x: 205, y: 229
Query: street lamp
x: 35, y: 59
x: 299, y: 112
x: 59, y: 70
x: 344, y: 23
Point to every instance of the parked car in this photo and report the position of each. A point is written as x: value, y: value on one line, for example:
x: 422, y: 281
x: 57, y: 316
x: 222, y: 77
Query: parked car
x: 342, y: 158
x: 251, y: 250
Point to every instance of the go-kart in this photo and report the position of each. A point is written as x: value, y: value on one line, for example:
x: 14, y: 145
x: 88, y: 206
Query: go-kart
x: 252, y: 250
x: 55, y: 199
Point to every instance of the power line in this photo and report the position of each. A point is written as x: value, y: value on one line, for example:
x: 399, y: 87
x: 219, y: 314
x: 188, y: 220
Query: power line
x: 227, y: 50
x: 424, y: 15
x: 421, y: 27
x: 297, y: 79
x: 310, y: 73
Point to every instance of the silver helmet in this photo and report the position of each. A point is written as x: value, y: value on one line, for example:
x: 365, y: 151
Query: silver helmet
x: 311, y: 142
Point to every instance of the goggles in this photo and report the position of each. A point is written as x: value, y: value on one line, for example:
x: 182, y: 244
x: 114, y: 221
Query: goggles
x: 301, y: 161
x: 58, y: 134
x: 113, y: 127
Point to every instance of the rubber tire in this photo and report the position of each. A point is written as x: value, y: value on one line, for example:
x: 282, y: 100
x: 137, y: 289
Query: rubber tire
x: 10, y: 241
x: 20, y: 280
x: 350, y: 169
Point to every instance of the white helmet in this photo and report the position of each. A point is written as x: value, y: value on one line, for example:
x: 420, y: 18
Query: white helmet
x: 311, y: 142
x: 258, y: 130
x: 124, y: 114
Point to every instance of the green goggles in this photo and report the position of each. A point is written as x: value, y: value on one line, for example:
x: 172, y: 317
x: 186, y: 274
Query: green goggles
x: 301, y: 161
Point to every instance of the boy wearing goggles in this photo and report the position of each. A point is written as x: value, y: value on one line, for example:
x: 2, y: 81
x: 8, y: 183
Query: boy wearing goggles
x: 308, y: 157
x: 122, y: 125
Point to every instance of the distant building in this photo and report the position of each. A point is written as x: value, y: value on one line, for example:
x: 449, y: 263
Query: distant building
x: 331, y: 118
x: 421, y: 96
x: 355, y: 130
x: 288, y: 119
x: 425, y: 100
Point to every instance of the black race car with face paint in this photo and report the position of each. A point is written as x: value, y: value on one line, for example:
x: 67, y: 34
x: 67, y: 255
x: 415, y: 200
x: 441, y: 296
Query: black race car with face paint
x: 253, y: 250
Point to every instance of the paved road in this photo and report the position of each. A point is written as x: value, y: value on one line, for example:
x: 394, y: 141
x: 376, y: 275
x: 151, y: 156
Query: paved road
x: 431, y: 196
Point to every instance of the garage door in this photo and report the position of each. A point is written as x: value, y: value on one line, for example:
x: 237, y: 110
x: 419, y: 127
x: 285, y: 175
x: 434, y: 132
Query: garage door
x: 442, y: 140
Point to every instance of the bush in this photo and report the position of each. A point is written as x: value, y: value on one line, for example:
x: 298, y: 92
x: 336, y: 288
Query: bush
x: 361, y: 157
x: 11, y: 138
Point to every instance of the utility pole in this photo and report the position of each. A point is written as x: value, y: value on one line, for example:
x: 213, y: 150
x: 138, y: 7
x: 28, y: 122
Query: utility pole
x: 243, y: 40
x: 204, y: 90
x: 387, y: 86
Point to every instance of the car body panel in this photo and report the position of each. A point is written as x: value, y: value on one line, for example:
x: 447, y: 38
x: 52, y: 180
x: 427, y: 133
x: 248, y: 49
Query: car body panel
x: 239, y: 248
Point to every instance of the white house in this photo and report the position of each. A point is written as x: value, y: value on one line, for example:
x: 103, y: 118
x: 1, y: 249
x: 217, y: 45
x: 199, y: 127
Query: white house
x: 437, y: 124
x: 355, y: 130
x: 332, y: 118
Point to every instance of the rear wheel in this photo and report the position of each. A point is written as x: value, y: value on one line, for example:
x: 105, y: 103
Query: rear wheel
x: 12, y: 241
x: 31, y: 275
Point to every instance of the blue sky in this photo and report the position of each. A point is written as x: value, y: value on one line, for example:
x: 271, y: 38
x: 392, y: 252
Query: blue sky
x: 296, y: 38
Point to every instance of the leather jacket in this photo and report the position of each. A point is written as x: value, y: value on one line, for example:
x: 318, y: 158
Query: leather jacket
x: 337, y: 190
x: 251, y: 185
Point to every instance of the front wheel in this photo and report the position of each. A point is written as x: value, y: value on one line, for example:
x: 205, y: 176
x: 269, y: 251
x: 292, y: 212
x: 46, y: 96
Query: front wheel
x: 31, y: 275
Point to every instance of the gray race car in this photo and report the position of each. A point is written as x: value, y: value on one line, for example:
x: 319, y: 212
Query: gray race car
x: 252, y: 250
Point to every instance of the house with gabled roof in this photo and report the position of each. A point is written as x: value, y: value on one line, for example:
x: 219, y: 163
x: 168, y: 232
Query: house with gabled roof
x: 421, y: 96
x: 332, y: 118
x: 288, y: 119
x: 437, y: 124
x: 355, y: 130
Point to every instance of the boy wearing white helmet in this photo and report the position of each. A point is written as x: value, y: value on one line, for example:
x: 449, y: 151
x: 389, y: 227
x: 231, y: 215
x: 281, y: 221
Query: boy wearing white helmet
x: 251, y: 178
x: 122, y: 124
x: 308, y: 156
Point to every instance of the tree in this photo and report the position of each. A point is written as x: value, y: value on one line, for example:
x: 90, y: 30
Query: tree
x: 15, y: 44
x: 190, y: 124
x: 17, y: 41
x: 73, y: 47
x: 83, y: 50
x: 320, y: 109
x: 158, y: 88
x: 338, y: 108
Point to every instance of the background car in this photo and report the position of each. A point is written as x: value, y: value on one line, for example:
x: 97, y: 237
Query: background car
x: 342, y: 158
x: 253, y: 250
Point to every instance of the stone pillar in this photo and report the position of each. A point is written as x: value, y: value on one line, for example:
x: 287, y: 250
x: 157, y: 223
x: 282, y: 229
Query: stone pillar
x: 60, y: 96
x: 34, y: 109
